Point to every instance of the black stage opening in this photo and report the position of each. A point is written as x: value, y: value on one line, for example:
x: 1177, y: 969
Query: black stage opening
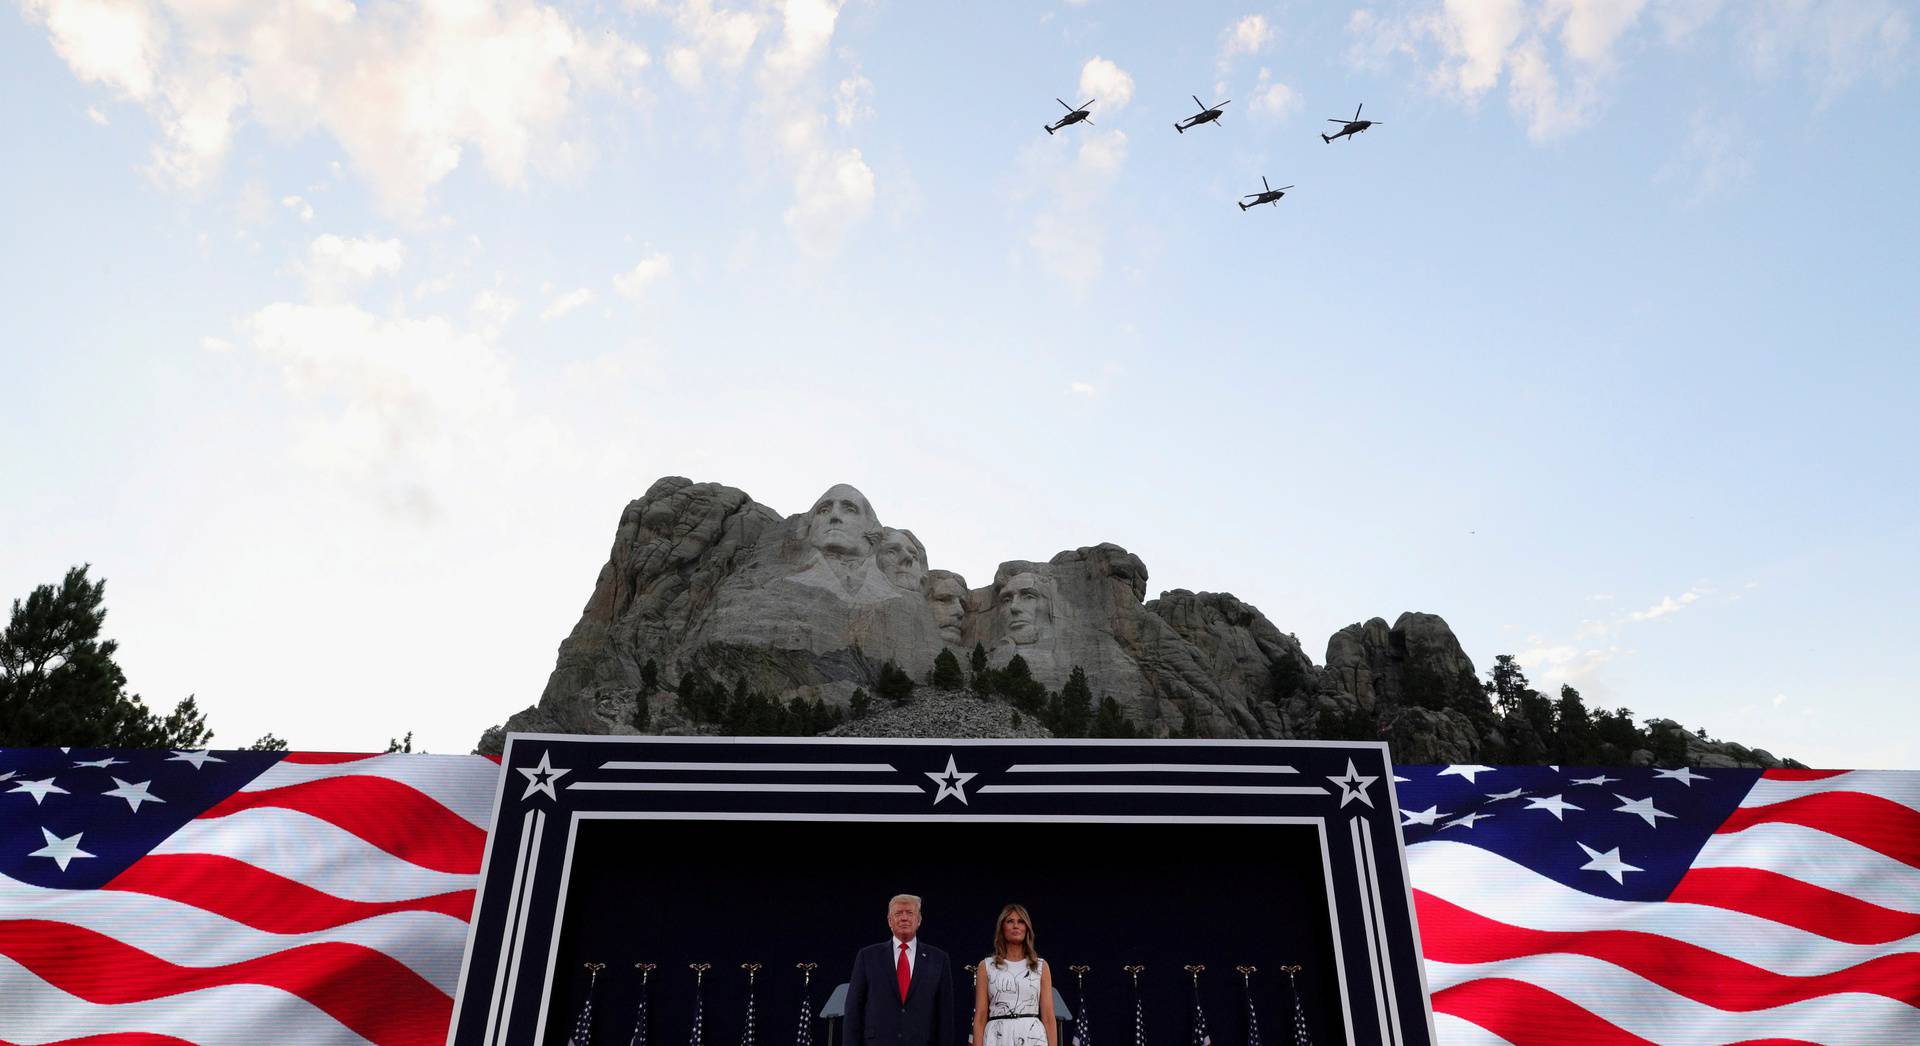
x: 1104, y: 894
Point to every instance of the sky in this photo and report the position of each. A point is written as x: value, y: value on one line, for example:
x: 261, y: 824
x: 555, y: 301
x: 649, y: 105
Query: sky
x: 338, y: 336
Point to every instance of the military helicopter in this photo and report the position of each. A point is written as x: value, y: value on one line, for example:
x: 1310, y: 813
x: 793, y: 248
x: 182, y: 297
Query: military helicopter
x: 1207, y: 114
x: 1073, y: 115
x: 1353, y: 126
x: 1269, y: 195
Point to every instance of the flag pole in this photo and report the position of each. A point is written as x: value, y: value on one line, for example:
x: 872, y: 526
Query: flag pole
x: 699, y: 1014
x: 1253, y: 1019
x: 804, y: 1037
x: 1082, y: 1036
x: 1300, y: 1036
x: 1139, y: 1011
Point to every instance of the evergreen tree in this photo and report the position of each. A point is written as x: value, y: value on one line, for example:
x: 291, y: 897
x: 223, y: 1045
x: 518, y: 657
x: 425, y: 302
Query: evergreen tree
x: 642, y: 711
x: 1189, y: 724
x: 1076, y: 705
x: 1109, y: 721
x: 1575, y: 739
x: 400, y: 744
x: 946, y: 672
x: 1285, y: 678
x: 978, y: 659
x: 859, y: 704
x: 649, y: 676
x: 60, y: 685
x: 894, y: 684
x: 267, y: 743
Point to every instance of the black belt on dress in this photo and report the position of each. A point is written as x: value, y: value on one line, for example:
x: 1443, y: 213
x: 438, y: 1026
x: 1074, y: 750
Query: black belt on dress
x: 1010, y: 1016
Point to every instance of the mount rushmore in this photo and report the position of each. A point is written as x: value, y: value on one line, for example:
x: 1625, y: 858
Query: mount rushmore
x: 703, y: 579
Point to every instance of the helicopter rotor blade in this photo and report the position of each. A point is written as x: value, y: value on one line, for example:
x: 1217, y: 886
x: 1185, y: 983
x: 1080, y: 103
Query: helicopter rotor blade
x: 1357, y: 108
x: 1335, y: 119
x: 1198, y: 102
x: 1087, y: 104
x: 1283, y: 188
x: 1263, y: 181
x: 1223, y: 104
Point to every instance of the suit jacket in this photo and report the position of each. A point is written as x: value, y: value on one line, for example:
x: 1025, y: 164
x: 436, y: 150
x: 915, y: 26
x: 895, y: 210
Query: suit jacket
x: 875, y: 1014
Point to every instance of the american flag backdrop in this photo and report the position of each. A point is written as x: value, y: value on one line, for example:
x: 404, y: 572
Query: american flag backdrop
x: 1620, y: 907
x: 152, y: 898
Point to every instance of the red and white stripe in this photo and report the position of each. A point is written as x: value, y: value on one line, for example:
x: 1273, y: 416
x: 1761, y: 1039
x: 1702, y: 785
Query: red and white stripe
x: 325, y: 903
x: 1798, y: 924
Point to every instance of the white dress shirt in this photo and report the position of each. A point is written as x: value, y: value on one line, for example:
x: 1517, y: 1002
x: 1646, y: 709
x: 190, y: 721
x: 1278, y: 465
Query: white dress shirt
x: 912, y: 949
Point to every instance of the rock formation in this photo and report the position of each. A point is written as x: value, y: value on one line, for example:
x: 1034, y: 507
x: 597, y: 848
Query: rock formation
x: 703, y: 580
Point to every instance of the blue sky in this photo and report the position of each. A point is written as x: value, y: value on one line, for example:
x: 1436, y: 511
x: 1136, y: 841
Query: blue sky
x: 339, y: 336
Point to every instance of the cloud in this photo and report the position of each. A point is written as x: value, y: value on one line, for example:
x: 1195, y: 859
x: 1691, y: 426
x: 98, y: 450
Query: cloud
x: 1668, y: 605
x: 566, y: 303
x: 406, y: 90
x: 1068, y: 235
x: 853, y: 100
x: 1107, y: 83
x: 1081, y: 388
x: 336, y: 266
x: 98, y: 117
x: 1710, y: 160
x: 1839, y: 42
x: 388, y: 404
x: 832, y: 193
x: 1557, y: 58
x: 1250, y: 35
x: 116, y: 44
x: 1271, y: 98
x: 710, y: 37
x: 634, y: 282
x: 298, y: 206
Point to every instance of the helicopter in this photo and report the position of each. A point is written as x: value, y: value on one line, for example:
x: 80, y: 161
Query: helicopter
x: 1353, y: 126
x: 1207, y: 114
x: 1073, y: 115
x: 1268, y: 195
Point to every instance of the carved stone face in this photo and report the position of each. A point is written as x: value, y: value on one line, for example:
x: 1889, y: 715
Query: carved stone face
x: 902, y: 559
x: 840, y: 521
x: 1026, y: 608
x: 947, y: 595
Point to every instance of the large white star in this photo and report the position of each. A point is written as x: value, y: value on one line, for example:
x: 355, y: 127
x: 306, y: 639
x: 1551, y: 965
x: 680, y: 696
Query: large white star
x: 198, y: 759
x: 1515, y: 794
x: 1353, y: 785
x: 1602, y: 780
x: 951, y: 781
x: 1642, y: 808
x: 134, y: 794
x: 1608, y: 862
x: 61, y: 850
x: 38, y: 789
x: 1467, y: 771
x: 101, y: 763
x: 1552, y: 804
x: 1684, y: 775
x: 8, y: 776
x: 1426, y: 817
x: 540, y: 778
x: 1468, y: 820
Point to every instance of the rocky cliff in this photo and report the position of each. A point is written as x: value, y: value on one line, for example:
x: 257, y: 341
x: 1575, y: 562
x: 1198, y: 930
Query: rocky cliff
x: 704, y: 580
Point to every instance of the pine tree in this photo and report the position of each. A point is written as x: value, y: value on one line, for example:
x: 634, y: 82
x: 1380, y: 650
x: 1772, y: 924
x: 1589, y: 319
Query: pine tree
x: 894, y: 684
x: 649, y: 676
x: 60, y: 685
x: 642, y: 711
x: 978, y: 659
x: 946, y: 672
x: 1109, y: 721
x: 859, y: 704
x: 1076, y: 705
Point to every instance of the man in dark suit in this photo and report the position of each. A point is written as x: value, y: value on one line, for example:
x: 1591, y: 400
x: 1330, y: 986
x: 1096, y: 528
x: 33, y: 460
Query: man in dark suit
x: 901, y: 991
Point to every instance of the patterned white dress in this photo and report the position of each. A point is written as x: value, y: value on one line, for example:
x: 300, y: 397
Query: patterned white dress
x: 1013, y: 996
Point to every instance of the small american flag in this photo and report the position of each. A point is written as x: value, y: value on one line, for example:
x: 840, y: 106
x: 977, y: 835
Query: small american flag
x: 1638, y: 906
x: 639, y: 1036
x: 804, y: 1036
x: 583, y: 1025
x: 1139, y: 1011
x: 1300, y: 1035
x: 1082, y: 1023
x: 1200, y: 1036
x: 699, y: 1009
x: 232, y: 898
x: 1253, y: 1019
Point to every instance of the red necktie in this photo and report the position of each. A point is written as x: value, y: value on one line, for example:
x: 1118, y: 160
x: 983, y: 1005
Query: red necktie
x: 904, y: 973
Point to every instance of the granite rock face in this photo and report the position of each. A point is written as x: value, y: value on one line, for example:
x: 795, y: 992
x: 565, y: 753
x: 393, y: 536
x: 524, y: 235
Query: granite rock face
x: 702, y: 579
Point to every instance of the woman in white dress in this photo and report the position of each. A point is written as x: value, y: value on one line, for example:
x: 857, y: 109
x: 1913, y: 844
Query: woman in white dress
x: 1013, y: 988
